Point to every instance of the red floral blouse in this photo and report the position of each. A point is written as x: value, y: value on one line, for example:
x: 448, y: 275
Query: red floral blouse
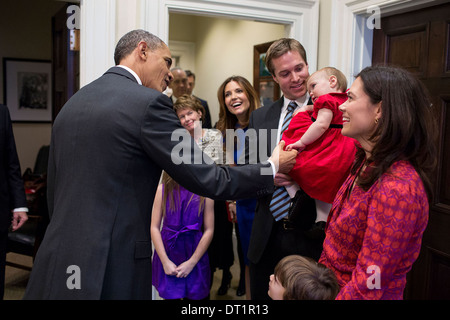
x: 374, y: 237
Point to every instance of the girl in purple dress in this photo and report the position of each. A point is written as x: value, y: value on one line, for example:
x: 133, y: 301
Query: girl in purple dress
x: 180, y: 267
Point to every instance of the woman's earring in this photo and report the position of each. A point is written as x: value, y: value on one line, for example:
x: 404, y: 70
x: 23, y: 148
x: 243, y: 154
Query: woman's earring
x: 376, y: 121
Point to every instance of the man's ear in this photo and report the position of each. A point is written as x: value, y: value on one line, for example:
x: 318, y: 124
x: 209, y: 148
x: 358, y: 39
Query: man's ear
x: 275, y: 79
x: 142, y: 50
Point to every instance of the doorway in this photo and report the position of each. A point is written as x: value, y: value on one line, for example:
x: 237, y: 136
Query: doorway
x: 215, y: 48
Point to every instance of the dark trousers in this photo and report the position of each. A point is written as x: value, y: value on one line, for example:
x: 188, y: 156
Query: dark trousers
x: 3, y: 244
x: 283, y: 241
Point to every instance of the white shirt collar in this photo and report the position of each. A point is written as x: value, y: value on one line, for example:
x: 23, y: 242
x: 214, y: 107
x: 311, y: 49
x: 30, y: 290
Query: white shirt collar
x: 302, y: 101
x: 132, y: 72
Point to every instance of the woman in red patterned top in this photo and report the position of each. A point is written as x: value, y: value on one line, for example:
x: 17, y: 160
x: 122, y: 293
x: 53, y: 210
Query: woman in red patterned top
x: 375, y: 227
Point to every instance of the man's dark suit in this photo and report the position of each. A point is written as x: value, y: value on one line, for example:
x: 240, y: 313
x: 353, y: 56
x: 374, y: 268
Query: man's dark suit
x: 269, y: 241
x: 207, y: 122
x: 109, y: 144
x: 12, y: 194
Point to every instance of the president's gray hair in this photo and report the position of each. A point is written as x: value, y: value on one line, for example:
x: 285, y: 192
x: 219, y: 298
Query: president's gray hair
x: 129, y: 42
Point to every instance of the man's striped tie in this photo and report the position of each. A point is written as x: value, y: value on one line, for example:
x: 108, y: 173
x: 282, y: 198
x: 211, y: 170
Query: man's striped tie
x: 281, y: 201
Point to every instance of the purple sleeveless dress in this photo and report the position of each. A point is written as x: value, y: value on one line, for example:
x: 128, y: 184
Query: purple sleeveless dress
x: 181, y: 232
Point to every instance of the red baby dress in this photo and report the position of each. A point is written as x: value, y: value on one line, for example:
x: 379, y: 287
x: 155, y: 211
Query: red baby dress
x: 322, y: 166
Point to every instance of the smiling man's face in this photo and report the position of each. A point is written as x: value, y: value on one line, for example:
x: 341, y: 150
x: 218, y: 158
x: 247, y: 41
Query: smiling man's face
x: 291, y: 72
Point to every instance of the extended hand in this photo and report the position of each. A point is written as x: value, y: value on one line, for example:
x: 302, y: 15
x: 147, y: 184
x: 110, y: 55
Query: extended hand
x: 283, y: 180
x: 283, y: 160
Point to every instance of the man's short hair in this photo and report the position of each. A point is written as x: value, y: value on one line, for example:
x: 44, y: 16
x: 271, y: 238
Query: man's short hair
x: 129, y: 42
x: 280, y: 47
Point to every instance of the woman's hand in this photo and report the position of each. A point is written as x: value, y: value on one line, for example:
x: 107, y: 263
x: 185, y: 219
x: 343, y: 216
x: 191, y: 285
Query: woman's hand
x: 183, y: 270
x: 170, y: 268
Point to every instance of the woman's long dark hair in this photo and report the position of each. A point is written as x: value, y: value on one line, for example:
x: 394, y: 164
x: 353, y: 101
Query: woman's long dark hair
x: 406, y: 129
x: 226, y: 119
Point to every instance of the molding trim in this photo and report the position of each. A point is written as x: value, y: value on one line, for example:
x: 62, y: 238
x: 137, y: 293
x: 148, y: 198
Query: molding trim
x: 97, y: 38
x: 351, y: 40
x: 99, y: 24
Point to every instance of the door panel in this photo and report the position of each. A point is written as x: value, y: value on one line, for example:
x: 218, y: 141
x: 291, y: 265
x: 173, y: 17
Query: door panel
x: 419, y: 42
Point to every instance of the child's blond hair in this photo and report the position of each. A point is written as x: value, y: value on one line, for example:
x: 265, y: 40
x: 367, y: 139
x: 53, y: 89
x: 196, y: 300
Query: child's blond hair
x: 340, y: 77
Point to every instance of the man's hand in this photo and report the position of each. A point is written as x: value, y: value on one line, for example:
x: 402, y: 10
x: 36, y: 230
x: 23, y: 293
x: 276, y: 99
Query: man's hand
x: 283, y: 180
x: 283, y: 160
x: 19, y: 218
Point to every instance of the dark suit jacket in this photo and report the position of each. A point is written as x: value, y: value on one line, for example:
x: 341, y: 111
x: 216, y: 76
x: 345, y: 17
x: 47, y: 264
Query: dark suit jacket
x: 12, y: 194
x: 109, y: 144
x: 266, y: 117
x: 207, y: 122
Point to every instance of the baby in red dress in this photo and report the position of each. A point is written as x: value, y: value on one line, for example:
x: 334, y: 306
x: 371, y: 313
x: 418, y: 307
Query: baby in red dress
x: 325, y: 155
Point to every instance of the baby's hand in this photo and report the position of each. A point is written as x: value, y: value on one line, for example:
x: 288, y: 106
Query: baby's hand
x: 299, y: 146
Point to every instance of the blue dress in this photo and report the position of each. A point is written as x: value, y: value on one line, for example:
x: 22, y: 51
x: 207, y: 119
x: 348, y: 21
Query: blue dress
x: 245, y: 208
x: 181, y: 232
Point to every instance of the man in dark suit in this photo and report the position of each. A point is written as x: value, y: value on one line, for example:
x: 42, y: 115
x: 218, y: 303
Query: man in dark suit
x: 190, y: 88
x: 179, y: 84
x: 273, y: 235
x: 13, y: 204
x: 109, y: 144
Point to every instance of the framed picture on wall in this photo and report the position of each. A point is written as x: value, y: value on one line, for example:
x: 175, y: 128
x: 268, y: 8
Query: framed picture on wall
x: 27, y: 89
x: 267, y: 89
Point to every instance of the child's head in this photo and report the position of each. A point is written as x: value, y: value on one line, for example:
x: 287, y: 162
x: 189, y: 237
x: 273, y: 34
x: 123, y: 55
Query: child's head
x: 326, y: 80
x: 300, y: 278
x: 189, y: 109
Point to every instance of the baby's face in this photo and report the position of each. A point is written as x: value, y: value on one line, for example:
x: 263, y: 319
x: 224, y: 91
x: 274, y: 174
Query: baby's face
x: 276, y: 290
x: 318, y: 85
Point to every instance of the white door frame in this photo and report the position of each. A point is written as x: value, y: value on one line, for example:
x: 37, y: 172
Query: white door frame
x: 102, y: 23
x: 351, y: 39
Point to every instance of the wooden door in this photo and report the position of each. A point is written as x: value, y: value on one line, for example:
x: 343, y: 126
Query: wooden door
x: 419, y: 41
x: 65, y: 61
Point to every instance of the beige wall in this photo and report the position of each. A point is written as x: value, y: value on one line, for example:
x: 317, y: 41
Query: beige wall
x: 224, y: 47
x: 25, y: 32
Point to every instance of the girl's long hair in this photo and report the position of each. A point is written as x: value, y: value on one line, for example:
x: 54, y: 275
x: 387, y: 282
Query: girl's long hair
x: 406, y: 129
x: 172, y: 194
